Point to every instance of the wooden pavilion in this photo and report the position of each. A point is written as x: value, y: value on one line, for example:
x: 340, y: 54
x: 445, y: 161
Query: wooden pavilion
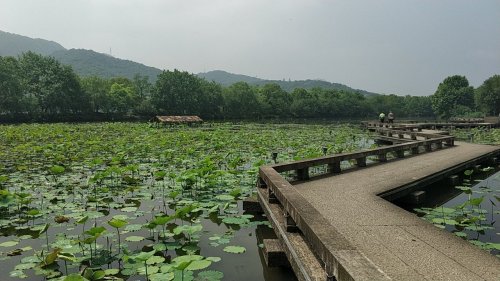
x: 178, y: 120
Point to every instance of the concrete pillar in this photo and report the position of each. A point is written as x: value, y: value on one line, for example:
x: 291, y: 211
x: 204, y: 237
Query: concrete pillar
x: 454, y: 180
x: 274, y: 254
x: 415, y: 197
x: 290, y: 224
x: 382, y: 157
x: 261, y: 183
x: 493, y: 161
x: 334, y: 168
x: 414, y: 150
x: 361, y: 162
x: 272, y: 197
x: 428, y: 147
x: 252, y: 205
x: 303, y: 174
x: 400, y: 153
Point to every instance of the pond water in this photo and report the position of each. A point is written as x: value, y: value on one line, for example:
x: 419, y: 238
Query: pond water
x: 126, y: 201
x: 470, y: 209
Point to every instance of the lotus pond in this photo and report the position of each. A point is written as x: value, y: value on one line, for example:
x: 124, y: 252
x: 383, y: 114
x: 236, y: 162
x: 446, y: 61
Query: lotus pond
x: 470, y: 210
x: 124, y: 201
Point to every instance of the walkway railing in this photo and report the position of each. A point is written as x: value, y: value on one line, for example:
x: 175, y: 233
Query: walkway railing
x: 338, y: 257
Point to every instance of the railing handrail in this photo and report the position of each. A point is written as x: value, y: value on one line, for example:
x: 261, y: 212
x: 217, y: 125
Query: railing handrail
x: 289, y: 166
x: 311, y: 222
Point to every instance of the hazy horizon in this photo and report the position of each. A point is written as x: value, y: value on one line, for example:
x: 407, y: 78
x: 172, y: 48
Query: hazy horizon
x: 400, y: 47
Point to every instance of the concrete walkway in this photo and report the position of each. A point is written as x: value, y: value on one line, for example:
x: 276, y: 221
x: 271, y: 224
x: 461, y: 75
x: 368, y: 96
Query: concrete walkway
x: 398, y: 243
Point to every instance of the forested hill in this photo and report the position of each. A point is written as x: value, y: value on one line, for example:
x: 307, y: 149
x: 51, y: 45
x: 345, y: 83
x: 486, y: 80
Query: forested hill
x: 226, y: 79
x: 13, y: 45
x: 88, y: 63
x: 91, y: 63
x: 84, y: 62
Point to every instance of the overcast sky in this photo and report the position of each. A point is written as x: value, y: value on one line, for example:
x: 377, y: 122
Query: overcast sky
x: 385, y: 46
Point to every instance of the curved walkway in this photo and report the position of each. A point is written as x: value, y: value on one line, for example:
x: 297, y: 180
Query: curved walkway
x: 398, y: 243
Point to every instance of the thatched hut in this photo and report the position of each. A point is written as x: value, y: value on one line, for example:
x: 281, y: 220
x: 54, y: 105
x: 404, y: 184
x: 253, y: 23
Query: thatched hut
x: 177, y: 120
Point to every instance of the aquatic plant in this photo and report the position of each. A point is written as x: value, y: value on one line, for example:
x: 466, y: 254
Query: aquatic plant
x: 162, y: 194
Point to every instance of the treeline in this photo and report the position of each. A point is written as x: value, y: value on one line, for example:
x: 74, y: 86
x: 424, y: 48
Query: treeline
x: 34, y: 87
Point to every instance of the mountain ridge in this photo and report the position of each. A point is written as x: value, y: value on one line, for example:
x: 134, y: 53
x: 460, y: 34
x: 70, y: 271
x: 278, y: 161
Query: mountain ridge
x: 88, y: 62
x: 226, y: 78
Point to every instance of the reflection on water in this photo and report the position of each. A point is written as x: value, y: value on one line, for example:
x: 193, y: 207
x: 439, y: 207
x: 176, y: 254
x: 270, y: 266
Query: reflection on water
x: 248, y: 266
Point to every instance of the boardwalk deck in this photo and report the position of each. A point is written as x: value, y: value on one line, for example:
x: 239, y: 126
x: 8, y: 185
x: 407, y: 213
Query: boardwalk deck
x: 357, y: 235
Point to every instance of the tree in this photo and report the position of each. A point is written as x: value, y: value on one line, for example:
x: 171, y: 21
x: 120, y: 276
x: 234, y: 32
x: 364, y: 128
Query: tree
x: 417, y: 106
x: 274, y: 100
x: 487, y: 96
x: 177, y: 93
x: 49, y: 86
x: 97, y: 89
x: 240, y: 101
x: 386, y: 103
x: 121, y: 98
x: 142, y: 86
x: 211, y: 99
x: 304, y: 104
x: 11, y: 95
x: 453, y: 95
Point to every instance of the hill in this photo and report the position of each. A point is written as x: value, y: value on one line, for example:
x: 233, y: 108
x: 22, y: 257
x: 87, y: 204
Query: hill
x: 84, y: 62
x: 14, y: 45
x: 226, y: 78
x: 88, y: 63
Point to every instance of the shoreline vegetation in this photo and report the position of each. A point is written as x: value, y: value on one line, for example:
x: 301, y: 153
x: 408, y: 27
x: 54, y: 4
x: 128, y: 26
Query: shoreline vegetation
x: 35, y: 88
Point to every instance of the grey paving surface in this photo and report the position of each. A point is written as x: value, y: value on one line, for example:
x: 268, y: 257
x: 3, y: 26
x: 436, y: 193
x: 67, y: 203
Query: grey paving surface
x: 402, y: 245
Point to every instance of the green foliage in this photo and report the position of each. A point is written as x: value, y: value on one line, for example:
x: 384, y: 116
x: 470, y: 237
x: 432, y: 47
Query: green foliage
x: 38, y: 87
x: 234, y: 249
x: 178, y: 93
x: 240, y: 101
x: 453, y: 97
x: 165, y: 193
x: 487, y: 96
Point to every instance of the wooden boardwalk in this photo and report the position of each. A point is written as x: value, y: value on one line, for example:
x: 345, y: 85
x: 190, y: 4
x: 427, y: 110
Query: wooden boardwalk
x: 338, y: 226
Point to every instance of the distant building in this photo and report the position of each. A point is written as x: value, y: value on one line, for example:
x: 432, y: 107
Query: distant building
x: 177, y: 120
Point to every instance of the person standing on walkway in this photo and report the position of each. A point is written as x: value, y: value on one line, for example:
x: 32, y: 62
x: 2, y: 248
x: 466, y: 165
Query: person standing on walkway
x: 381, y: 117
x: 390, y: 116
